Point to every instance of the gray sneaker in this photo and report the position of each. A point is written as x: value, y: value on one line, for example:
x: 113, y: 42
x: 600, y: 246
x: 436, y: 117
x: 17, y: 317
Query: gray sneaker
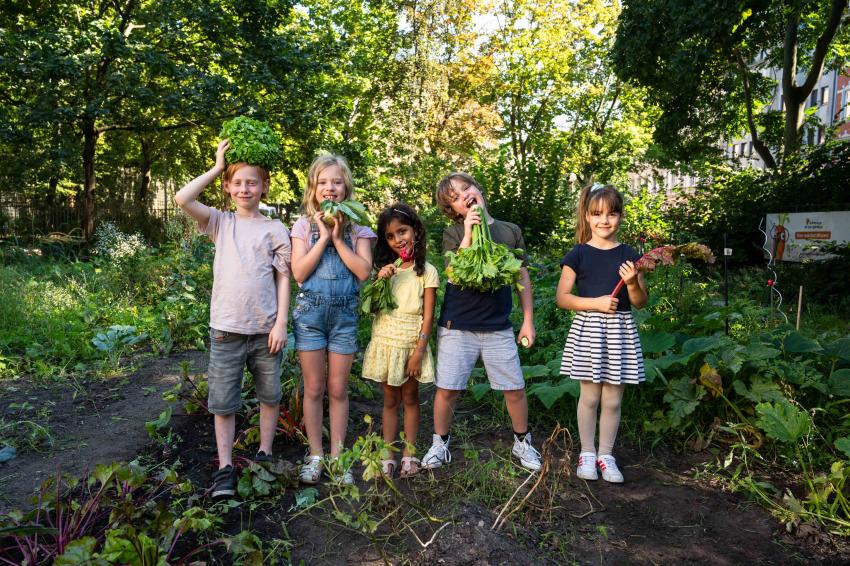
x: 528, y: 456
x: 438, y: 455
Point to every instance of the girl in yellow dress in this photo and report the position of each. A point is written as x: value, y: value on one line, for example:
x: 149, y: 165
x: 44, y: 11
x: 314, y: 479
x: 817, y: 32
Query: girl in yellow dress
x: 398, y: 355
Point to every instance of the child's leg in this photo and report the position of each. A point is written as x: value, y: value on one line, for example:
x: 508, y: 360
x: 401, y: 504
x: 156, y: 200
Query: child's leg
x: 339, y: 368
x: 609, y: 417
x: 410, y: 395
x: 588, y: 403
x: 444, y: 409
x: 389, y: 418
x: 225, y: 432
x: 313, y: 369
x: 517, y: 405
x: 268, y: 425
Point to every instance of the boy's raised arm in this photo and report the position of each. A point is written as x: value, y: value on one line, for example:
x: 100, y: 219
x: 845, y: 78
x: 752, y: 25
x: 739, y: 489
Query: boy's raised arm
x: 187, y: 197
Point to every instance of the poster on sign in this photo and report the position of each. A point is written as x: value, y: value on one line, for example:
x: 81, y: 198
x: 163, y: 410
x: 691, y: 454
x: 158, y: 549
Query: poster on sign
x: 800, y: 236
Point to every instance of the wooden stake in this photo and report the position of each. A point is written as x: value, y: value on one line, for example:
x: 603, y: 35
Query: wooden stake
x: 799, y: 306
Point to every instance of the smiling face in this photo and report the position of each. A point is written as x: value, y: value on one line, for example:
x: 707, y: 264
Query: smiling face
x: 463, y: 196
x: 604, y: 223
x: 246, y: 186
x: 330, y: 185
x: 400, y: 237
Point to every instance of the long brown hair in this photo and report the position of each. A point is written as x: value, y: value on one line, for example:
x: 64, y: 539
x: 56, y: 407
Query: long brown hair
x: 591, y: 199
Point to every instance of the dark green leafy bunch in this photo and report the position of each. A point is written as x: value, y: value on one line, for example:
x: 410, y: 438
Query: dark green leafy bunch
x: 485, y: 265
x: 350, y: 208
x: 252, y: 141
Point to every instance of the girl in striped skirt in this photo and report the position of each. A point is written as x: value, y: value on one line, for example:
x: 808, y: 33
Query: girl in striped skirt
x: 603, y: 349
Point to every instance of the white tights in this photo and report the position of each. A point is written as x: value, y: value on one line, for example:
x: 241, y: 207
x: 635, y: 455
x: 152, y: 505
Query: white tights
x: 609, y: 419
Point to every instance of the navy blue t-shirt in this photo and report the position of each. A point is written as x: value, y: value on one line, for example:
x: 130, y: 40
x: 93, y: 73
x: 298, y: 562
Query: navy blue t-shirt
x: 598, y: 271
x: 466, y: 309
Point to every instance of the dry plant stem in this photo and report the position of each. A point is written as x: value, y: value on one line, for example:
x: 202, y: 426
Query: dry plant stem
x: 407, y: 500
x: 430, y: 540
x: 548, y: 448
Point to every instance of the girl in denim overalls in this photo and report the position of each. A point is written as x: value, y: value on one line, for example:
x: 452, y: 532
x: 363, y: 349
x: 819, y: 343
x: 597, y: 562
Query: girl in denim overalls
x: 329, y: 262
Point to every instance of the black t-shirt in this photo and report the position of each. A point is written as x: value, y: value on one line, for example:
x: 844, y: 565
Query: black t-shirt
x: 597, y: 271
x: 465, y: 309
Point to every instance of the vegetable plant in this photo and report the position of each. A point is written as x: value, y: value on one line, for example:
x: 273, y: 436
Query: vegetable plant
x: 667, y: 255
x: 485, y: 265
x: 252, y: 141
x: 377, y: 296
x: 350, y: 208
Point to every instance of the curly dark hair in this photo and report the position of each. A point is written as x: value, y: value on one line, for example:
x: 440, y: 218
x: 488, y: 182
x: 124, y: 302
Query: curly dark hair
x: 407, y: 216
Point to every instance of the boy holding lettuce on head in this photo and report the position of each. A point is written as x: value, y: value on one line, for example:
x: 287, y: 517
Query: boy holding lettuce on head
x: 476, y: 324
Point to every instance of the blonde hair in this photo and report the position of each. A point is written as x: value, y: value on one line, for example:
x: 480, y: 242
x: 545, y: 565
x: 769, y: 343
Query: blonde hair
x: 231, y: 170
x: 444, y: 192
x: 592, y: 199
x: 309, y: 203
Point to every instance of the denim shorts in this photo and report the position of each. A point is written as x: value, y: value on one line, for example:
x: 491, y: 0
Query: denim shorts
x: 229, y: 352
x: 458, y: 350
x: 324, y: 322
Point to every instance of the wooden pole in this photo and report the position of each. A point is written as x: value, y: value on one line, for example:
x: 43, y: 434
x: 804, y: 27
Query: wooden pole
x: 799, y: 306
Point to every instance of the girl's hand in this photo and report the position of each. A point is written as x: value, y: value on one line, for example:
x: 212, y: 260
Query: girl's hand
x: 629, y: 273
x: 605, y: 304
x: 386, y: 272
x: 318, y: 220
x: 336, y: 230
x: 414, y: 365
x: 278, y: 337
x: 223, y: 146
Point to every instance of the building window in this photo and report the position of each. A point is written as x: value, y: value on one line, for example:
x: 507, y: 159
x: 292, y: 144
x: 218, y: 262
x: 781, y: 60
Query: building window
x: 813, y: 100
x: 821, y: 134
x: 824, y: 96
x: 750, y: 149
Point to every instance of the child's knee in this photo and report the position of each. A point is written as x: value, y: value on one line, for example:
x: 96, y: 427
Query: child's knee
x: 410, y: 397
x: 392, y: 397
x: 338, y: 391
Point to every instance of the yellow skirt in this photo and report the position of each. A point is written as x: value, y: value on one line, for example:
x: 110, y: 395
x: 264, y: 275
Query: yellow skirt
x: 394, y: 338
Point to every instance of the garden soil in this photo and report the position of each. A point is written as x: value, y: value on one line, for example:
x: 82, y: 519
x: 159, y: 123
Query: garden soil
x: 662, y: 515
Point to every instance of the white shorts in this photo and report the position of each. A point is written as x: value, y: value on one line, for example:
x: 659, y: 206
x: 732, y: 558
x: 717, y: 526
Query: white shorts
x: 458, y: 350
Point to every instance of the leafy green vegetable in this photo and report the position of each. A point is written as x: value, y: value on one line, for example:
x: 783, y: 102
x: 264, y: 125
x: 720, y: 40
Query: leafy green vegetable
x: 350, y: 208
x: 485, y: 265
x: 377, y: 296
x: 252, y: 141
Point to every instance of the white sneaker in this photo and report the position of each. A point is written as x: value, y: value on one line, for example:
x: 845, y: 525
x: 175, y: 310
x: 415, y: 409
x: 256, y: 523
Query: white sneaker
x: 610, y: 471
x: 528, y: 456
x: 438, y: 454
x: 311, y: 470
x: 587, y: 466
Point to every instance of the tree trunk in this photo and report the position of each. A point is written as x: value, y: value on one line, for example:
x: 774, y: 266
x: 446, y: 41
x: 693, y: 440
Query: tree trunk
x: 144, y: 174
x: 90, y: 135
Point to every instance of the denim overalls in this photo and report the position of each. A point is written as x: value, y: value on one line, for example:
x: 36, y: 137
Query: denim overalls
x: 325, y: 315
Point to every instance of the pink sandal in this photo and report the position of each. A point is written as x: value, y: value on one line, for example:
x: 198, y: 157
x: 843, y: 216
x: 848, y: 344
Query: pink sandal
x: 409, y: 466
x: 388, y: 468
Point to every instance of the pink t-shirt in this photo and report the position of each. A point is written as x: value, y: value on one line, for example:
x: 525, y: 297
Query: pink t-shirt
x: 247, y: 253
x: 301, y: 230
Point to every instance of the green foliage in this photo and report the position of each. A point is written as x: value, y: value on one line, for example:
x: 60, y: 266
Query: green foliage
x: 485, y: 265
x: 253, y: 142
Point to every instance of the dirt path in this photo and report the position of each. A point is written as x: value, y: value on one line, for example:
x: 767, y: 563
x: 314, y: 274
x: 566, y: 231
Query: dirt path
x: 93, y: 423
x: 660, y: 516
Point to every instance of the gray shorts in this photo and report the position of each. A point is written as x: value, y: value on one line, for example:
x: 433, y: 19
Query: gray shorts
x: 229, y: 352
x: 458, y: 350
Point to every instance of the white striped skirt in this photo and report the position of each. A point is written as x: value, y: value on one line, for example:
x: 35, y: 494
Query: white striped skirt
x: 603, y: 348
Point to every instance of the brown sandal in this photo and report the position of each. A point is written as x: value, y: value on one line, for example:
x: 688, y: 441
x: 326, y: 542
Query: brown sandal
x: 409, y: 466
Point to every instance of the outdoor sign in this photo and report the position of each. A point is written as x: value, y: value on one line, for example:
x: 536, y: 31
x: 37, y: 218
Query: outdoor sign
x: 800, y: 236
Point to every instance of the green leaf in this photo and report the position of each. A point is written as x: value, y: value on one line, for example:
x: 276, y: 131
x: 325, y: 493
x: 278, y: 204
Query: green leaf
x: 684, y: 397
x: 702, y: 344
x: 782, y: 421
x: 535, y: 371
x: 761, y: 389
x: 79, y: 551
x: 799, y: 344
x: 839, y: 383
x: 758, y: 351
x: 839, y: 349
x: 305, y: 498
x: 843, y: 444
x: 479, y: 390
x: 656, y: 342
x: 161, y: 422
x: 549, y: 394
